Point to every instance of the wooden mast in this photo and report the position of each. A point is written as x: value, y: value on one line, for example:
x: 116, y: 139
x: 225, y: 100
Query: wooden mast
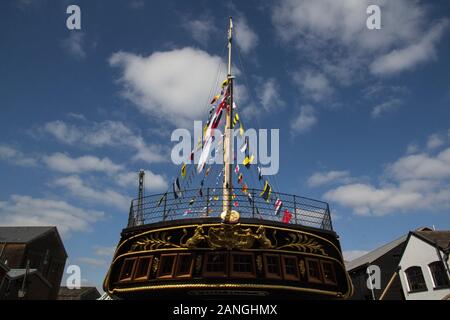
x: 228, y: 142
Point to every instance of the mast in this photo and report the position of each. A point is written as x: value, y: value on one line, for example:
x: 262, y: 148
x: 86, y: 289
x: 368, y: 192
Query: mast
x: 228, y: 145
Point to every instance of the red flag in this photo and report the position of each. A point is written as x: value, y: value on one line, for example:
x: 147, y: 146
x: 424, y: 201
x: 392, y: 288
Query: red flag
x: 287, y: 216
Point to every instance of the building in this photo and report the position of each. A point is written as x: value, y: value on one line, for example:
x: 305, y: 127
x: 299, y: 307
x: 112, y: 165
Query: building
x: 414, y: 266
x: 32, y: 261
x: 424, y: 266
x: 83, y: 293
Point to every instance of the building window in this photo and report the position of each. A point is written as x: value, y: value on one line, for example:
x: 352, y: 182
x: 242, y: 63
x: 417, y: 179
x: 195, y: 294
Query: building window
x: 313, y: 270
x: 272, y: 266
x: 126, y: 273
x: 215, y: 264
x: 167, y: 265
x: 290, y: 267
x: 415, y: 278
x: 329, y: 275
x: 439, y: 274
x: 185, y: 265
x: 242, y: 265
x: 143, y: 268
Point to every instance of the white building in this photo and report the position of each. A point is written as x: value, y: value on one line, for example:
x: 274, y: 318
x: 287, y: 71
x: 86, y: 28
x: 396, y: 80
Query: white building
x: 424, y: 265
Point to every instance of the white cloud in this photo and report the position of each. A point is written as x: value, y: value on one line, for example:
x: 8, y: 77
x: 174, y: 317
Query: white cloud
x: 73, y: 44
x: 412, y: 148
x: 28, y: 211
x: 16, y: 157
x: 335, y: 34
x: 64, y: 163
x: 201, y: 29
x: 105, y: 133
x: 322, y: 178
x: 172, y: 85
x: 270, y: 97
x: 153, y: 182
x: 314, y: 85
x: 435, y: 141
x: 104, y: 251
x: 108, y: 197
x: 385, y: 107
x: 407, y: 58
x: 304, y: 121
x: 246, y: 38
x: 350, y: 255
x: 93, y: 262
x: 414, y: 182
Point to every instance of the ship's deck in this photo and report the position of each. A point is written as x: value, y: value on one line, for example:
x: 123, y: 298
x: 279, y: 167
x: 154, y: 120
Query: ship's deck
x: 166, y: 207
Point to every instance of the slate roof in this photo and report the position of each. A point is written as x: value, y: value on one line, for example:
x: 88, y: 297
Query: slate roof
x: 375, y: 254
x: 22, y: 234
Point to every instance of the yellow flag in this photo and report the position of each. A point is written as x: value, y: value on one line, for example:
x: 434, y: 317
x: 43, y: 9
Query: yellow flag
x: 241, y: 129
x: 225, y: 82
x: 248, y: 161
x: 183, y: 170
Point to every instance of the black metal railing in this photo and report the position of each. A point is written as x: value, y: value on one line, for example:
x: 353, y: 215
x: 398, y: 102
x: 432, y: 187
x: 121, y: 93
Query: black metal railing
x: 191, y: 204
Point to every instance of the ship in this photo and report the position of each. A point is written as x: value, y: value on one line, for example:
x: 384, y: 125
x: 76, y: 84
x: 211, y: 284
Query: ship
x: 228, y: 240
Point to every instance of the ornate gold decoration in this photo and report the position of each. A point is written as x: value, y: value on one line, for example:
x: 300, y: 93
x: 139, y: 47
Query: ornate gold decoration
x: 301, y: 242
x: 259, y: 263
x: 235, y: 237
x: 198, y: 263
x: 155, y: 265
x: 302, y: 267
x: 154, y: 240
x: 192, y: 242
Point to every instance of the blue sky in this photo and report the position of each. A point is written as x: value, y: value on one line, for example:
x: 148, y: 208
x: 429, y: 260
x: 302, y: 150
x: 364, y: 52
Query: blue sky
x: 363, y: 114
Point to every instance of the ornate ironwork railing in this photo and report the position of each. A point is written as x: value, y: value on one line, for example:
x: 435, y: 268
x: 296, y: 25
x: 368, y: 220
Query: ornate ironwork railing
x: 191, y: 204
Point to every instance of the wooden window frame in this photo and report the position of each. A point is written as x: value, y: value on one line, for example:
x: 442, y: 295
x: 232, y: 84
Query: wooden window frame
x: 215, y: 274
x: 149, y: 268
x: 237, y: 274
x: 333, y: 271
x: 408, y: 279
x: 161, y: 259
x: 433, y: 275
x: 122, y: 269
x: 283, y: 267
x: 309, y: 277
x: 268, y: 274
x: 178, y: 263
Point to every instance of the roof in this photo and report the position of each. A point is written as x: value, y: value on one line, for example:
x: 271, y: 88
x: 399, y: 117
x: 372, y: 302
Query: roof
x: 441, y: 238
x: 22, y: 234
x: 375, y: 254
x: 83, y: 293
x: 15, y: 274
x: 15, y: 234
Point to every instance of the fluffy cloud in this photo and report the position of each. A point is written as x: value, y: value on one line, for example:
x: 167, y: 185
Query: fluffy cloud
x: 79, y: 189
x: 314, y: 85
x: 418, y: 181
x: 201, y: 29
x: 105, y: 133
x: 73, y: 44
x: 434, y: 141
x: 29, y: 211
x: 335, y: 34
x: 386, y: 107
x: 172, y: 85
x: 270, y: 97
x: 16, y: 157
x: 322, y: 178
x: 304, y: 121
x: 64, y: 163
x: 246, y: 38
x: 153, y: 182
x: 104, y: 251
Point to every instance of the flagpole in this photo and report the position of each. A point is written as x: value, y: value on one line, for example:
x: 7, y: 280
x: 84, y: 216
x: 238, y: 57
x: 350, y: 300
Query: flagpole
x: 228, y: 147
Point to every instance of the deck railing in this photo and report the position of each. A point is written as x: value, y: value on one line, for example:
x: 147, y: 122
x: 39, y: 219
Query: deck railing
x: 191, y: 204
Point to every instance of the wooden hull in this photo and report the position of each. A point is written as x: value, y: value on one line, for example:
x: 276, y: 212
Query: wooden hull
x: 205, y: 259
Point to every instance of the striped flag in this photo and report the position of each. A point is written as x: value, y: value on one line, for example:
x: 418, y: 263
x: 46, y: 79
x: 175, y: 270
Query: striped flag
x: 278, y: 205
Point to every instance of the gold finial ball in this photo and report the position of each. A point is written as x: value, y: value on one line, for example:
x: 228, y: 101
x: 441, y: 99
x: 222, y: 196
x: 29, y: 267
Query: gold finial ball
x: 233, y: 218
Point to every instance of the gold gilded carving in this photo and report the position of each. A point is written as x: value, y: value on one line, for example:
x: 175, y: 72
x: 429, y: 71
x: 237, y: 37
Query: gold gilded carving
x: 301, y: 242
x: 259, y: 263
x: 192, y: 242
x: 155, y: 240
x: 198, y: 263
x: 302, y: 267
x: 155, y: 265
